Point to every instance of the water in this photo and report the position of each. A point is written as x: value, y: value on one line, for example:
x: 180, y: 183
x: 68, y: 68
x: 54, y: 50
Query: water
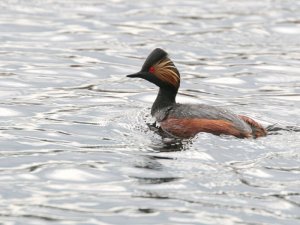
x: 75, y: 145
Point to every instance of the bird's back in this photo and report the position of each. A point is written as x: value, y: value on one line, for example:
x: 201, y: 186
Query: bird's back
x: 186, y: 120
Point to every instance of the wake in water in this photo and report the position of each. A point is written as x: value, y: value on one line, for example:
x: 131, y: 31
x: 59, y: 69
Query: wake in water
x: 276, y: 129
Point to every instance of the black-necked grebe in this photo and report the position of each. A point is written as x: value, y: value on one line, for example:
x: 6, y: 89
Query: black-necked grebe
x: 186, y: 120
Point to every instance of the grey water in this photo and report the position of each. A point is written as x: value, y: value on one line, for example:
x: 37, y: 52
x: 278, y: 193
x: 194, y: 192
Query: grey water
x: 75, y: 145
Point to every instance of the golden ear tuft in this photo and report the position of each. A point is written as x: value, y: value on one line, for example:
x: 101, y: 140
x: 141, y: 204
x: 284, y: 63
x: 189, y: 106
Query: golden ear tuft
x: 166, y: 71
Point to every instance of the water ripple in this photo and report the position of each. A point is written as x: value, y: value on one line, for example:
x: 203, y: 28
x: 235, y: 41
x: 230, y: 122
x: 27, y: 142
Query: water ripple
x: 78, y: 144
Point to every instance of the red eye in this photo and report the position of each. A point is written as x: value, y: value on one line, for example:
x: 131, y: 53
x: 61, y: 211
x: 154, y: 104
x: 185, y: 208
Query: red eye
x: 151, y: 70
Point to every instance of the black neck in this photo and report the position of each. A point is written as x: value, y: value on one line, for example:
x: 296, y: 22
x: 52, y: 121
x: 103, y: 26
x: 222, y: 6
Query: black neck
x: 165, y: 98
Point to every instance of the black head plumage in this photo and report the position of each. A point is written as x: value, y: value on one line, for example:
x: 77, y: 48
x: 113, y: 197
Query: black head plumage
x: 160, y: 70
x: 154, y: 57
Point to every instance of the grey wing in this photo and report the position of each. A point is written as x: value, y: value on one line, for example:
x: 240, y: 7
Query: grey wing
x: 208, y: 112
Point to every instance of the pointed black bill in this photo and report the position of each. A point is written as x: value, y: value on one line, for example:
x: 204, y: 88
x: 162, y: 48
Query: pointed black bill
x: 138, y: 74
x: 134, y: 75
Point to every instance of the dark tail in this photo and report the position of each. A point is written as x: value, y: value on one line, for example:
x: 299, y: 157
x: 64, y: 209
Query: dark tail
x: 257, y: 129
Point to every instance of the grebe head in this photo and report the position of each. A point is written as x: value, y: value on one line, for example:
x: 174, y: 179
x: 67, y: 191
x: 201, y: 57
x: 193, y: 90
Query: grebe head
x: 159, y: 70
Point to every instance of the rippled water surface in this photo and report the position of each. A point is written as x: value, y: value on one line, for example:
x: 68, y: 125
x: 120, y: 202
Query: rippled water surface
x: 75, y: 147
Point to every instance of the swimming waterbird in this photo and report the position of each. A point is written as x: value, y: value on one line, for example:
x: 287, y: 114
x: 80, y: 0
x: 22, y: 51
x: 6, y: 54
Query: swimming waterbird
x: 186, y: 120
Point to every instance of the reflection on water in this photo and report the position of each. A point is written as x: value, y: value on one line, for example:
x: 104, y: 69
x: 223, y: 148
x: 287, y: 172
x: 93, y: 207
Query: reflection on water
x: 77, y: 145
